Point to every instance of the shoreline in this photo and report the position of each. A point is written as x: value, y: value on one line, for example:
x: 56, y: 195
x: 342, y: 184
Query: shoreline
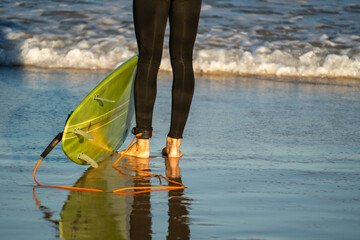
x: 218, y: 76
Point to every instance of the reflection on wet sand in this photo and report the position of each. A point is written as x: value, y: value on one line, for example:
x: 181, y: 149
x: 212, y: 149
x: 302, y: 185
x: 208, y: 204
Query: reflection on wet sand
x: 87, y: 215
x: 178, y: 213
x: 140, y: 216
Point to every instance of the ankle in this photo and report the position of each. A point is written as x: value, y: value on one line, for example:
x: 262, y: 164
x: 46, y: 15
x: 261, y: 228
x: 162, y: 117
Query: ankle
x: 173, y: 142
x: 143, y: 145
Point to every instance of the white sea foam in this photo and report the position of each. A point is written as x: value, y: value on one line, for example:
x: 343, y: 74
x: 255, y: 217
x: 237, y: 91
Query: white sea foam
x: 279, y: 63
x: 107, y: 54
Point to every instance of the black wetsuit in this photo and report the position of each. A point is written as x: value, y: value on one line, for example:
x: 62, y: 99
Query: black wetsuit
x: 150, y: 18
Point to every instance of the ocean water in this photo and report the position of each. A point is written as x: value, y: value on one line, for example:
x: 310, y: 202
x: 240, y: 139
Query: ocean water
x: 300, y: 38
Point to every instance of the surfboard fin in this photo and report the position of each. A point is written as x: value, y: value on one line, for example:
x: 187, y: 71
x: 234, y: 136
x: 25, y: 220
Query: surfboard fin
x: 80, y: 132
x: 89, y: 160
x: 96, y: 97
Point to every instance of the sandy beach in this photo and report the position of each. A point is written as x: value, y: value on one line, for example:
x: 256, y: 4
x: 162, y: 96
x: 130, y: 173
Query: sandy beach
x: 263, y: 159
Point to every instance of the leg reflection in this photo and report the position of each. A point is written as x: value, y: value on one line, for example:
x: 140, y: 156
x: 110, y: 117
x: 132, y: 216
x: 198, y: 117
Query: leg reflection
x: 140, y: 217
x: 87, y: 215
x: 178, y: 212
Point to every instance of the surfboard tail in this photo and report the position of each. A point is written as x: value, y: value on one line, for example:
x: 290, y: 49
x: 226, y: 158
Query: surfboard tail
x: 52, y: 144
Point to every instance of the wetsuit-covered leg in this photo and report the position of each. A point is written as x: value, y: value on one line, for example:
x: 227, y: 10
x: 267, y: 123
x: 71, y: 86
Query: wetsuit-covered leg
x: 150, y: 17
x: 184, y: 18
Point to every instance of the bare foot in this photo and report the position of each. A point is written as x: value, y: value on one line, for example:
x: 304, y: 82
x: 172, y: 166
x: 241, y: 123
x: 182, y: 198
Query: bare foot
x: 140, y: 149
x: 172, y: 148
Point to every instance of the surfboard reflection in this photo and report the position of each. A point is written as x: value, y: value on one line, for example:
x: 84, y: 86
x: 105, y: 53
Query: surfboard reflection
x: 87, y: 215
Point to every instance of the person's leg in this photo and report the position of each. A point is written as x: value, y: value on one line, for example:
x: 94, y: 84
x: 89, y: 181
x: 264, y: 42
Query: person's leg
x: 150, y: 17
x: 184, y: 18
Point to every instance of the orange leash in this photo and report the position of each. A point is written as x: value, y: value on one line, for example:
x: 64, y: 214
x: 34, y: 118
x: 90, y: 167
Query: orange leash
x: 61, y: 187
x: 117, y: 191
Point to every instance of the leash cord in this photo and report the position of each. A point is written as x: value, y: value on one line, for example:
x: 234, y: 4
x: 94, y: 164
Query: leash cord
x: 122, y: 191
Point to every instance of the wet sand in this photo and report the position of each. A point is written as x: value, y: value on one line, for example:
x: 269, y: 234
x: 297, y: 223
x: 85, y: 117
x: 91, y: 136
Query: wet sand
x: 263, y: 159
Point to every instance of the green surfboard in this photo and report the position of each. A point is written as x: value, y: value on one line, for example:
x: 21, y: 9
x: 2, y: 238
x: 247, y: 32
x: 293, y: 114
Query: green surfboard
x: 101, y: 122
